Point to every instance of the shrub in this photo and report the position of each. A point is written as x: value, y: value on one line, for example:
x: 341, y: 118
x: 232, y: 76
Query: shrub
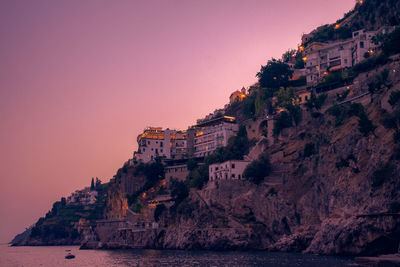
x: 309, y: 150
x: 370, y: 63
x: 184, y: 208
x: 316, y: 114
x: 191, y: 164
x: 160, y: 208
x: 394, y: 98
x: 365, y: 125
x: 381, y: 175
x: 389, y: 121
x: 316, y: 102
x: 137, y: 208
x: 339, y: 112
x: 391, y: 43
x: 284, y: 120
x: 257, y: 170
x: 198, y: 177
x: 342, y: 96
x: 342, y: 163
x: 356, y: 109
x: 179, y: 190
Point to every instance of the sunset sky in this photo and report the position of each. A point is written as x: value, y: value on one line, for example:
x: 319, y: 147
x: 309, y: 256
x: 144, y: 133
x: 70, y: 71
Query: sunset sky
x: 79, y: 80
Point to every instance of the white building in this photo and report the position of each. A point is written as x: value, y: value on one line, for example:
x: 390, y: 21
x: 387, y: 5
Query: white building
x: 155, y: 142
x: 210, y: 135
x: 321, y: 58
x: 228, y: 170
x: 83, y: 197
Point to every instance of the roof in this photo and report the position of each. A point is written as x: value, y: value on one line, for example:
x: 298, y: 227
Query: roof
x: 217, y: 121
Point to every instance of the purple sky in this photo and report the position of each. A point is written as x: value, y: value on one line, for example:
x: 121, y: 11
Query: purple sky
x: 79, y: 80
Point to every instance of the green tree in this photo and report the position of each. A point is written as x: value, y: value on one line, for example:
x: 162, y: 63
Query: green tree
x: 179, y: 190
x: 160, y: 208
x: 98, y: 182
x: 288, y: 55
x: 274, y: 75
x: 257, y: 170
x: 191, y: 164
x: 394, y: 98
x: 92, y: 184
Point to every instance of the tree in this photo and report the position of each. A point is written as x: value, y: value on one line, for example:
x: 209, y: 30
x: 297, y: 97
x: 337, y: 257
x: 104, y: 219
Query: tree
x: 191, y: 164
x: 288, y: 55
x: 92, y: 184
x: 98, y: 182
x: 63, y: 202
x: 257, y: 170
x: 179, y: 190
x: 274, y: 75
x: 394, y: 98
x: 160, y: 208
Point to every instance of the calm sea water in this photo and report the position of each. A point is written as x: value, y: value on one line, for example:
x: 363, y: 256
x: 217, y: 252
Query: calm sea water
x: 54, y: 256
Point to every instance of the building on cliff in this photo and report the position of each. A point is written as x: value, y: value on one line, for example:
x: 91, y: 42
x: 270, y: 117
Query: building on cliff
x: 322, y: 58
x: 237, y: 96
x: 155, y: 142
x: 178, y: 172
x: 207, y: 136
x: 83, y: 197
x: 228, y: 170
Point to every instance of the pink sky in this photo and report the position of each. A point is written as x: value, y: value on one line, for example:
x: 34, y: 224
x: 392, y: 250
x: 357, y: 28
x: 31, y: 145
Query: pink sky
x: 79, y: 80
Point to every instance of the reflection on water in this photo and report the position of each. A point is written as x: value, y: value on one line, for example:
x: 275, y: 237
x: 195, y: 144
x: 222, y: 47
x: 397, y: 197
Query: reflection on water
x: 54, y: 256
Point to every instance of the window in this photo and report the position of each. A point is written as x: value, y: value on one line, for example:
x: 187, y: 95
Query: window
x: 233, y: 175
x: 161, y: 150
x: 156, y: 151
x: 239, y: 176
x: 161, y: 144
x: 144, y: 149
x: 361, y: 44
x: 148, y: 142
x: 233, y: 165
x: 306, y: 98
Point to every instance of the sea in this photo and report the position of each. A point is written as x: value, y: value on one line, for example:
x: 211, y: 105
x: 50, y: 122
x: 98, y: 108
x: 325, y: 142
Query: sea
x: 55, y: 257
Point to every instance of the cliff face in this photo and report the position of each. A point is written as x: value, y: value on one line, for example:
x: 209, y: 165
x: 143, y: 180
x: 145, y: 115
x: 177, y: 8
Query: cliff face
x: 340, y: 197
x: 65, y: 223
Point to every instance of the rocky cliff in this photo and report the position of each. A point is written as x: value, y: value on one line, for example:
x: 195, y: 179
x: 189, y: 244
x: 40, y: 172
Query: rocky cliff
x: 334, y: 188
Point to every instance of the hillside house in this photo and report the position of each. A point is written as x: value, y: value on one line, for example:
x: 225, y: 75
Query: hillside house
x: 207, y: 136
x: 228, y: 170
x: 155, y: 142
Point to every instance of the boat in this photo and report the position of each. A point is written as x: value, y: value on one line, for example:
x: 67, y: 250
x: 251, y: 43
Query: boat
x: 70, y: 256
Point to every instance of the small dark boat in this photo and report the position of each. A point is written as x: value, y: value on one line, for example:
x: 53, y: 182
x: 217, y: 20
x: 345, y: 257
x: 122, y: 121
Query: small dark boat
x: 70, y: 256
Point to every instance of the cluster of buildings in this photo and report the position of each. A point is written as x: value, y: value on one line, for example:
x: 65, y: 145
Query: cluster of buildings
x: 322, y: 58
x: 215, y: 130
x: 196, y: 142
x: 83, y: 197
x: 174, y: 147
